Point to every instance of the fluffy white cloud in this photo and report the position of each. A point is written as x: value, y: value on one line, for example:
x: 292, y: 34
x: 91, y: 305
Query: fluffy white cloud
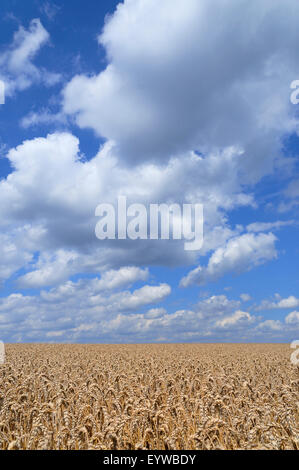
x: 140, y: 297
x: 139, y: 90
x: 238, y: 255
x: 43, y: 117
x: 17, y: 69
x: 13, y: 256
x: 237, y: 318
x: 50, y: 270
x: 69, y: 189
x: 96, y: 291
x: 86, y: 302
x: 217, y: 305
x: 199, y: 125
x: 292, y: 318
x: 189, y: 86
x: 17, y: 247
x: 289, y: 302
x: 114, y: 279
x: 177, y: 97
x: 84, y: 311
x: 156, y: 312
x: 275, y: 325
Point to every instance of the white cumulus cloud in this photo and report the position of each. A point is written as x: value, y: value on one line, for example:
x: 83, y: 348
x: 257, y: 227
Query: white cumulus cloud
x: 292, y: 318
x: 238, y: 255
x: 17, y: 69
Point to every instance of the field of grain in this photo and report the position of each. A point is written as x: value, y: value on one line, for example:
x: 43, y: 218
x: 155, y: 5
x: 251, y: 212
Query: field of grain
x: 216, y: 396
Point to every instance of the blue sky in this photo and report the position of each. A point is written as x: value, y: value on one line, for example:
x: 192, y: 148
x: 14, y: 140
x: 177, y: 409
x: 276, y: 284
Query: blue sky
x: 173, y: 102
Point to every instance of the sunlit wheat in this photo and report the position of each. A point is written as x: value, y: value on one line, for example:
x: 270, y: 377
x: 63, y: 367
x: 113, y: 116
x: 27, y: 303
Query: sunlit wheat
x: 188, y: 397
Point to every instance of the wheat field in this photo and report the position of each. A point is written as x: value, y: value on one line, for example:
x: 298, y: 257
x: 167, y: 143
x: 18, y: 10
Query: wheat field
x: 179, y: 396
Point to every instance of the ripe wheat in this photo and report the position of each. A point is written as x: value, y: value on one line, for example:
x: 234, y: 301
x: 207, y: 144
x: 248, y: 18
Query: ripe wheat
x: 216, y: 396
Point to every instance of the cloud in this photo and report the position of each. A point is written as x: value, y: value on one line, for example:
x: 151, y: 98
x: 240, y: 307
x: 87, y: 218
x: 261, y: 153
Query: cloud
x: 143, y: 296
x: 177, y: 104
x: 217, y: 305
x: 237, y: 318
x: 289, y: 302
x: 291, y: 194
x: 292, y: 190
x: 43, y: 117
x: 156, y: 312
x: 274, y: 325
x: 16, y: 64
x: 139, y: 90
x: 17, y: 249
x: 245, y: 297
x: 84, y: 311
x: 78, y: 307
x: 95, y: 293
x: 238, y: 255
x: 69, y: 188
x: 163, y: 95
x: 266, y: 226
x: 292, y: 318
x: 13, y: 256
x: 51, y: 269
x: 114, y: 279
x: 49, y: 9
x: 181, y: 124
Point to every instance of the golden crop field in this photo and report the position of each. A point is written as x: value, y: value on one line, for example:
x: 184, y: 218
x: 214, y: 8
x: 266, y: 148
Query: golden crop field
x: 180, y: 396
